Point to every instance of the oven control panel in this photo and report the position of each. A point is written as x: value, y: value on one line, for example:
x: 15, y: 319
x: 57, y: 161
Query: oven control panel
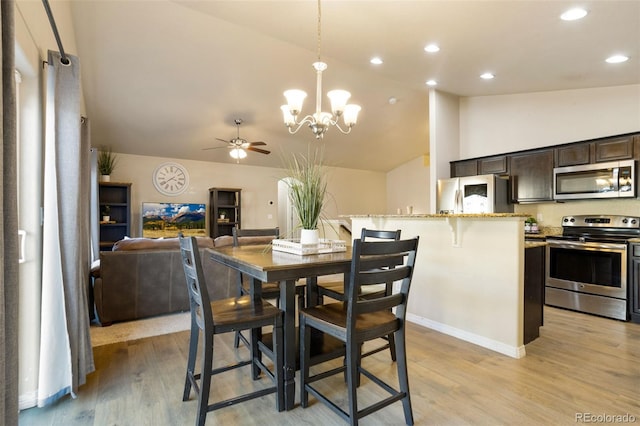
x: 602, y: 221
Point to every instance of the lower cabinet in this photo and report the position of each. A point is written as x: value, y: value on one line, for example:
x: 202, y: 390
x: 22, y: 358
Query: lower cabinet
x: 534, y: 261
x: 634, y: 283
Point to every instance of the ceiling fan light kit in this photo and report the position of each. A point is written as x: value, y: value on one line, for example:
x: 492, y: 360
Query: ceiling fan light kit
x: 239, y: 146
x: 319, y: 121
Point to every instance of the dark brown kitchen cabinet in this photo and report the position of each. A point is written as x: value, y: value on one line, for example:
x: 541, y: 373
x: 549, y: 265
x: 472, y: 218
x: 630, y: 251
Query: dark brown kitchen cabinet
x: 573, y: 155
x: 634, y: 282
x: 598, y: 151
x: 464, y: 168
x: 532, y: 176
x: 613, y: 149
x: 534, y: 261
x: 493, y: 165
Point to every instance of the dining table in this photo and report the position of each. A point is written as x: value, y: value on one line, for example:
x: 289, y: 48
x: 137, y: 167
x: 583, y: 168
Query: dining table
x: 263, y: 264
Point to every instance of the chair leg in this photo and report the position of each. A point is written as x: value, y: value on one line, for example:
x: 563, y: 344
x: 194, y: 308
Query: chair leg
x: 305, y: 347
x: 392, y: 347
x: 403, y: 376
x: 353, y: 362
x: 278, y: 365
x: 255, y: 353
x: 191, y: 361
x: 205, y: 379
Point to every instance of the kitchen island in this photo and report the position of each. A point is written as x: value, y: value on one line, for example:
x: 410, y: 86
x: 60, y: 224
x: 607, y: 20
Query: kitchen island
x: 469, y: 276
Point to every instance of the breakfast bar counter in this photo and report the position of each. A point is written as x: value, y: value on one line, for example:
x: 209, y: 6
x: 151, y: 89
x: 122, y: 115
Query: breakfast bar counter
x: 469, y: 276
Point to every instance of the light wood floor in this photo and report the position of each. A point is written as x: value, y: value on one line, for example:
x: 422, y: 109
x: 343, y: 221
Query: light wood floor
x: 580, y: 364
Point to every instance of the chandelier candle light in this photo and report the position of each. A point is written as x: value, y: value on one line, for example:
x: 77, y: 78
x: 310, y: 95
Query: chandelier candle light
x: 320, y: 121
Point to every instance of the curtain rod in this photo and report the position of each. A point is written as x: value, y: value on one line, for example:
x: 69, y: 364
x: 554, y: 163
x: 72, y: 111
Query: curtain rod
x: 54, y: 28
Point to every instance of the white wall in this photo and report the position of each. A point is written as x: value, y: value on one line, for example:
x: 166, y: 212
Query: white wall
x: 444, y: 130
x: 498, y: 124
x: 473, y: 290
x: 351, y: 191
x: 408, y: 185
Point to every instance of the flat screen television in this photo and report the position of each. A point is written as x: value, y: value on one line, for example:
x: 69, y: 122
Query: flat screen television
x: 164, y: 220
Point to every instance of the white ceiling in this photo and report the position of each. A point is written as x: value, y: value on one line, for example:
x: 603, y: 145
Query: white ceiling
x: 166, y: 78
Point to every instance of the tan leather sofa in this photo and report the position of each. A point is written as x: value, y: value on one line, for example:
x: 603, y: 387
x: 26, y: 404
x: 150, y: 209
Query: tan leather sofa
x: 143, y: 277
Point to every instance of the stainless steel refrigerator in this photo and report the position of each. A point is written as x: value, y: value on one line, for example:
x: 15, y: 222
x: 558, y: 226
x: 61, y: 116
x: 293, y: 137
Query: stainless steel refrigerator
x: 474, y: 194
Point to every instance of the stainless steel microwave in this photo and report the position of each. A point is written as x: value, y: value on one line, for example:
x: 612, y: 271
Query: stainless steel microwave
x: 602, y: 180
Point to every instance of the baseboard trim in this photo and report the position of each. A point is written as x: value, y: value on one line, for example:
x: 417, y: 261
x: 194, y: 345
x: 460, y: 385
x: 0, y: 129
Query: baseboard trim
x: 494, y: 345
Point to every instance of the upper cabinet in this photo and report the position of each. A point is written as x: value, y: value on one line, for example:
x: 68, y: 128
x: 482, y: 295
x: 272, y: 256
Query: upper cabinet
x: 532, y: 176
x: 598, y: 151
x: 464, y: 168
x: 614, y: 149
x: 493, y: 165
x: 531, y: 172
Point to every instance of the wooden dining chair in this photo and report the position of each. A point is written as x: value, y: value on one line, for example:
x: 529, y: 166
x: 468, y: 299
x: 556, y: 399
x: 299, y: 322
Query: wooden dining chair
x: 359, y: 320
x: 270, y: 290
x: 223, y: 316
x: 336, y: 289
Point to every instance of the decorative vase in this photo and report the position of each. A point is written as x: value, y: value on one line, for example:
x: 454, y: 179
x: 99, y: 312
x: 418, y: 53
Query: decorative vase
x: 106, y: 218
x: 309, y: 236
x: 105, y: 178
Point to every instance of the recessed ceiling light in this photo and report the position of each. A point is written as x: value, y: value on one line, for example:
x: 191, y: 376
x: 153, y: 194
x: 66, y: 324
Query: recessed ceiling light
x: 487, y: 76
x: 573, y: 14
x: 432, y: 48
x: 392, y: 100
x: 432, y: 83
x: 376, y: 60
x: 616, y: 59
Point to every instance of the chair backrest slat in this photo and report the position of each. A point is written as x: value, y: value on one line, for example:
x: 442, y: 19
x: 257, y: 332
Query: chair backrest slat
x: 196, y: 285
x: 264, y: 232
x: 375, y: 263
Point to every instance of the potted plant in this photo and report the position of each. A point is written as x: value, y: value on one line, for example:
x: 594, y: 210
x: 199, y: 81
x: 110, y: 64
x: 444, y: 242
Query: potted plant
x: 106, y: 163
x: 307, y: 190
x: 105, y: 214
x: 531, y: 225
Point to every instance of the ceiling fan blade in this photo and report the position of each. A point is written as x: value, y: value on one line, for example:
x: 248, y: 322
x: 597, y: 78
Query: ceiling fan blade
x: 214, y: 147
x: 261, y: 151
x: 259, y: 143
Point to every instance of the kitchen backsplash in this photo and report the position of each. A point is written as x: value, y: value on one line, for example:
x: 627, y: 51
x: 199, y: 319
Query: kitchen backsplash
x: 550, y: 214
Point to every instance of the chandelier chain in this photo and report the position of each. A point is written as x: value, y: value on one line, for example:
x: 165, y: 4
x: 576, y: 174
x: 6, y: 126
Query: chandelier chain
x: 319, y: 29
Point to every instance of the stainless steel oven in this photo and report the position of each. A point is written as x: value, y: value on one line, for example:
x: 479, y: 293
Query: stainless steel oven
x: 586, y: 267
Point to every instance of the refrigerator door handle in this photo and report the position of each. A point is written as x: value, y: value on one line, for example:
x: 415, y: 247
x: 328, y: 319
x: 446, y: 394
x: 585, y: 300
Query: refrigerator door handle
x: 458, y: 201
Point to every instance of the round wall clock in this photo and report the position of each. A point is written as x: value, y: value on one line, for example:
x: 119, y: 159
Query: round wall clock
x: 171, y: 178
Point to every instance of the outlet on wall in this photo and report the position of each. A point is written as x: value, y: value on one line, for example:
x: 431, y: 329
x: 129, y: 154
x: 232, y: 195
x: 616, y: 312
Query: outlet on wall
x: 539, y: 217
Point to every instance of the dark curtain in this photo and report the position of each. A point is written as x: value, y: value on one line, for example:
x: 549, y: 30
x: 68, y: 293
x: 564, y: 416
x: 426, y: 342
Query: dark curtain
x: 9, y: 221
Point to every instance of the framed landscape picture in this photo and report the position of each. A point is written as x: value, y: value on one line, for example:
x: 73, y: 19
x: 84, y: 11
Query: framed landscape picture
x: 167, y: 219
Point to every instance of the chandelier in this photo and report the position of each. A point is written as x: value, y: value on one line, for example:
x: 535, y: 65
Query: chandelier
x: 319, y: 122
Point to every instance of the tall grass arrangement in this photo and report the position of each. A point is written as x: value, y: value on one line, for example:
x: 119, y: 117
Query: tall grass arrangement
x: 308, y: 187
x: 106, y: 161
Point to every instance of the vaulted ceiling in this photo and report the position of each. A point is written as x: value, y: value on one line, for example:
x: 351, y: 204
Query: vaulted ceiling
x: 166, y: 78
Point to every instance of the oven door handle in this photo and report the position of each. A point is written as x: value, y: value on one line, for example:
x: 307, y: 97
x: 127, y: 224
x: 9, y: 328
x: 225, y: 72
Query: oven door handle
x: 587, y: 245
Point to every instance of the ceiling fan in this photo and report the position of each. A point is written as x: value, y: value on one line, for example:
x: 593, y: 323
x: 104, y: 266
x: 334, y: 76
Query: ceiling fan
x: 239, y: 146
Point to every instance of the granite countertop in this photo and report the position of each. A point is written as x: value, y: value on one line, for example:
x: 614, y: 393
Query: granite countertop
x: 532, y: 244
x: 545, y: 231
x: 439, y: 215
